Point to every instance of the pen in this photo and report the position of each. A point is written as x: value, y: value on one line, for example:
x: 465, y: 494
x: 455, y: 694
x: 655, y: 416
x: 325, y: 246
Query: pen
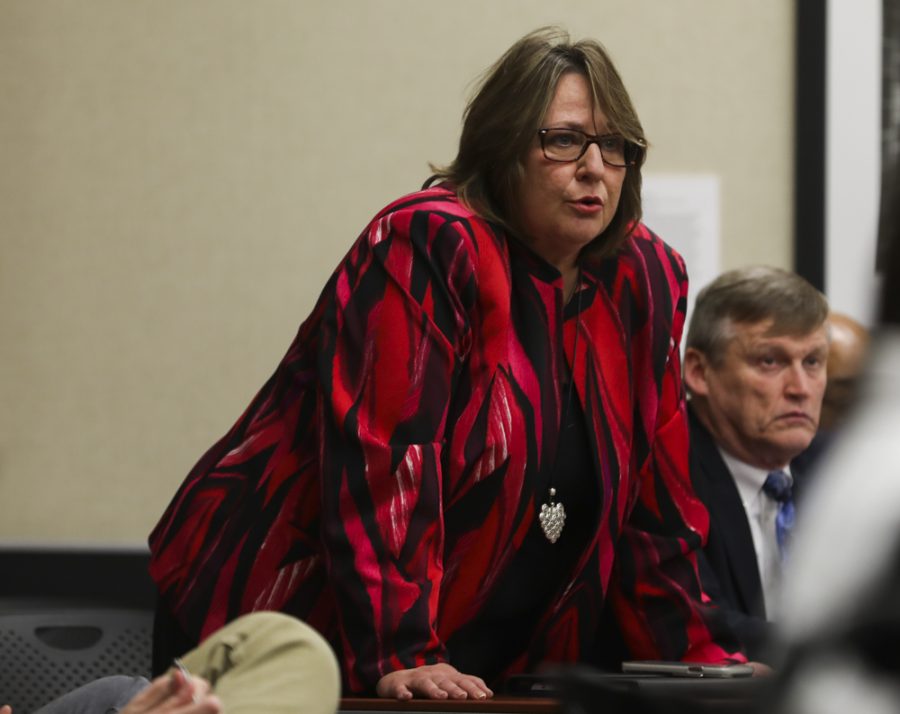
x: 177, y: 663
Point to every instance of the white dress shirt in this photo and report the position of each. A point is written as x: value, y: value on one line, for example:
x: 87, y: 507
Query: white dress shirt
x: 761, y: 513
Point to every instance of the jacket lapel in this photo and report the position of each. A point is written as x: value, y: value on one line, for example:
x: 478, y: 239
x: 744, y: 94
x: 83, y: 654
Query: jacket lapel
x: 728, y: 518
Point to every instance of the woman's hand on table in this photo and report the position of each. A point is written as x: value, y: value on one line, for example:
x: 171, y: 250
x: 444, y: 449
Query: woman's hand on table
x: 432, y: 681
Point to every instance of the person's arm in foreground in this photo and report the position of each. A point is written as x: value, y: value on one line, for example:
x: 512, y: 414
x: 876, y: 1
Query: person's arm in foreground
x: 170, y: 693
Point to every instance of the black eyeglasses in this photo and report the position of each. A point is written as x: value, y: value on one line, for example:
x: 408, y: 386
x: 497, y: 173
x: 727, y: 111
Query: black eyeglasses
x: 565, y: 145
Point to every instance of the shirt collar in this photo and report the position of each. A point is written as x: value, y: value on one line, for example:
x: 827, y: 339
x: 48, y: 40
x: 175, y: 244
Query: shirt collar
x: 749, y: 479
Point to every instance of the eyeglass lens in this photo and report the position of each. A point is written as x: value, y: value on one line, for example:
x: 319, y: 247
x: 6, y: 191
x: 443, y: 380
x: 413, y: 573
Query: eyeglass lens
x: 571, y: 144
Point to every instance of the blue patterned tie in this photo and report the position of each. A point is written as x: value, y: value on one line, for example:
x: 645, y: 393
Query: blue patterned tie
x: 778, y: 487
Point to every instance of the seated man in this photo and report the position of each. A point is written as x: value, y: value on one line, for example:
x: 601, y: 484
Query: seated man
x: 754, y: 367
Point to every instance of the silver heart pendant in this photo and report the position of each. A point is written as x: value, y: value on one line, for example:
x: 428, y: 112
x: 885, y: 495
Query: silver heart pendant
x: 552, y: 518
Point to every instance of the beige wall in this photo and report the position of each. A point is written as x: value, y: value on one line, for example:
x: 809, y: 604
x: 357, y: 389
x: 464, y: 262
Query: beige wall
x: 178, y: 178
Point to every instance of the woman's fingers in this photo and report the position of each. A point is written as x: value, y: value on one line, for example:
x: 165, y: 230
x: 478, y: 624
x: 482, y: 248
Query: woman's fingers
x: 452, y: 689
x: 475, y: 687
x: 434, y: 681
x: 426, y: 686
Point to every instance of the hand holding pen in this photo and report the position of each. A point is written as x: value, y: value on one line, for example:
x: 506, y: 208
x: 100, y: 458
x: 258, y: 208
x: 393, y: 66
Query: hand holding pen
x: 177, y: 692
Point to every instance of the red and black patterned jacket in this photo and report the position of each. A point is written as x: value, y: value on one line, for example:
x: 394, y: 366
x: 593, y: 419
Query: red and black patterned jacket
x: 377, y: 484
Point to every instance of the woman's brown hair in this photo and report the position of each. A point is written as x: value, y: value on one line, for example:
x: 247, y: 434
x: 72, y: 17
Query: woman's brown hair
x: 502, y: 119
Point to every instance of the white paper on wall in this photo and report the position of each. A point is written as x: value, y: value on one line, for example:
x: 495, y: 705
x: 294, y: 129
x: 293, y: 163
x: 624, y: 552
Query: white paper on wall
x: 684, y: 210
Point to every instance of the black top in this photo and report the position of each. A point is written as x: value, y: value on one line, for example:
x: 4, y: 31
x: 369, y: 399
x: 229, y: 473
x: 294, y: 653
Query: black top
x: 487, y: 644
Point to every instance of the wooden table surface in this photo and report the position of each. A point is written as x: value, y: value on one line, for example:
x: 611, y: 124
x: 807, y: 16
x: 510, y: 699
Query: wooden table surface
x: 496, y: 705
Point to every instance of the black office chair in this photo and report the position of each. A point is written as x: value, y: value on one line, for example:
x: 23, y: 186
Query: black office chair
x: 46, y: 654
x: 69, y: 616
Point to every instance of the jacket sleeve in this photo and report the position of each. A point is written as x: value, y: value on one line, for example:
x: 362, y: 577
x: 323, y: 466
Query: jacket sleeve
x: 655, y: 591
x: 393, y: 338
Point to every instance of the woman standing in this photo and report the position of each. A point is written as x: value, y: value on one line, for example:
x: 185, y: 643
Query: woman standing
x: 477, y: 439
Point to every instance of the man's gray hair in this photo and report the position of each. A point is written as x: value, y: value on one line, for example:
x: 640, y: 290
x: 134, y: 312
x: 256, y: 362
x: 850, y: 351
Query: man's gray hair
x: 748, y: 296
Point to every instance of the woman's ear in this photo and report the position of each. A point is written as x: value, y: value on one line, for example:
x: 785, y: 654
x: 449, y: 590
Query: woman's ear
x: 695, y: 372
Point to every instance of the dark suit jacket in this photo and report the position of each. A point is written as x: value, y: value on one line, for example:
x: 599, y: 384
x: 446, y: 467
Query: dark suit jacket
x: 728, y: 567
